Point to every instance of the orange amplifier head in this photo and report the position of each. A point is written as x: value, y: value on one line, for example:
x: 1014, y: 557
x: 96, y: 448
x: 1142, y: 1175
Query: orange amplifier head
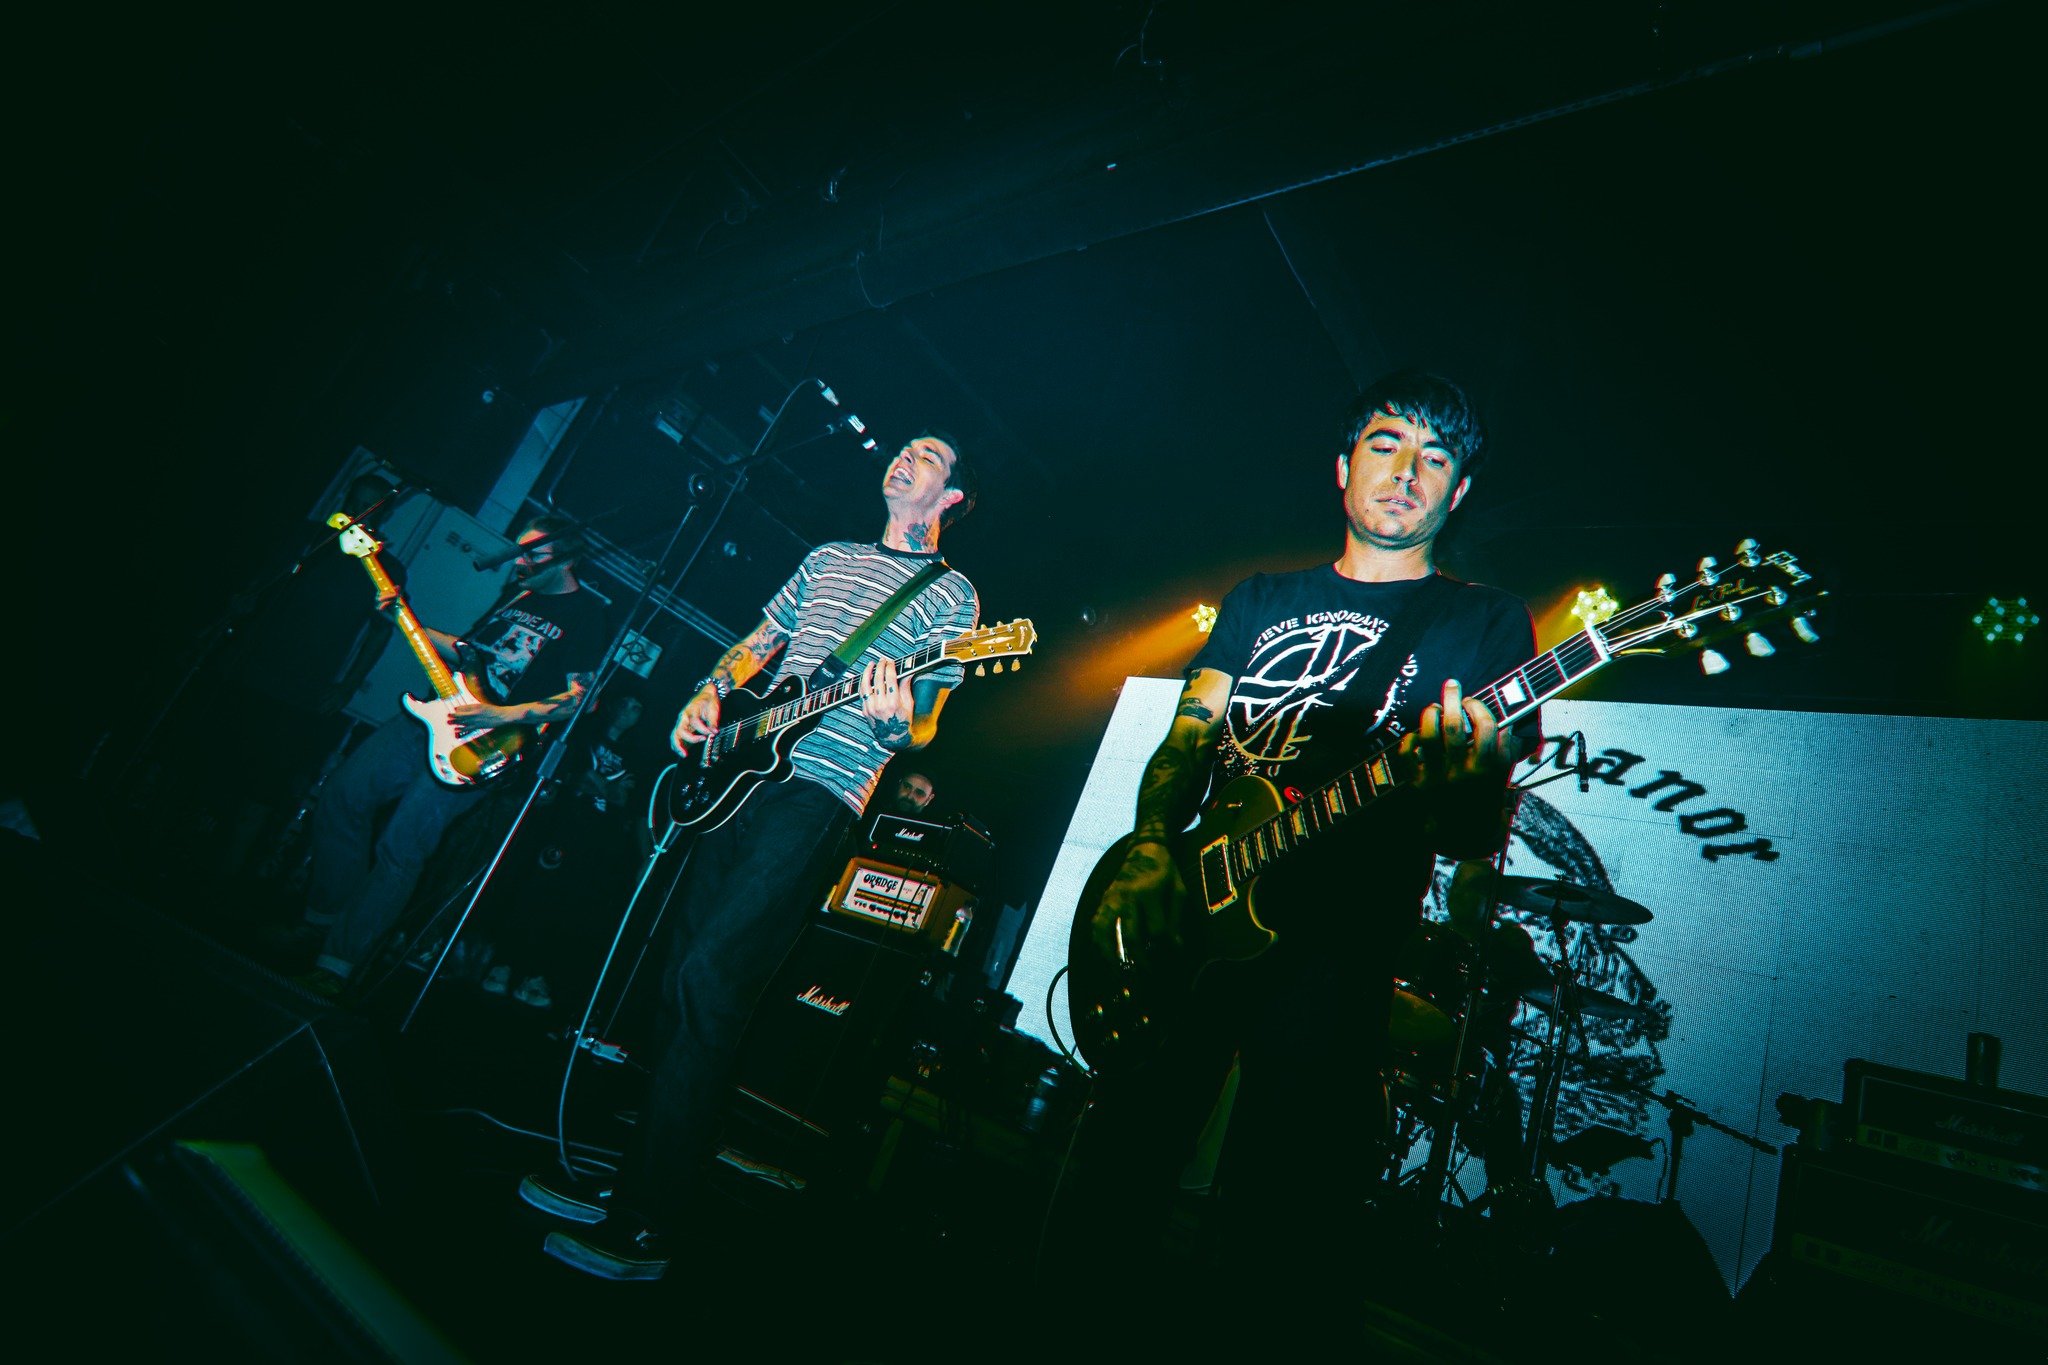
x: 903, y: 900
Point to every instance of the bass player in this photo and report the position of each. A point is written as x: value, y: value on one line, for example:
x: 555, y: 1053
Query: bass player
x: 1298, y: 671
x: 533, y: 653
x: 741, y: 905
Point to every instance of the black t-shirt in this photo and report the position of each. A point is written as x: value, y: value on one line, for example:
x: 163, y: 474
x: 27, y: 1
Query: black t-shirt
x: 1309, y: 695
x: 528, y: 647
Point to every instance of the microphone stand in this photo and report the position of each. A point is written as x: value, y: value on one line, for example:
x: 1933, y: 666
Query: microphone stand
x: 583, y: 1038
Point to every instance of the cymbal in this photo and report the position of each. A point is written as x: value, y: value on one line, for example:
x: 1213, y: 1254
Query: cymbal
x: 1569, y: 901
x: 1414, y: 1022
x: 1591, y: 1003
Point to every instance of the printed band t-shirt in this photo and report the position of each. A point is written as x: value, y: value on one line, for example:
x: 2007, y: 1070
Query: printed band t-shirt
x: 1309, y: 692
x: 528, y: 647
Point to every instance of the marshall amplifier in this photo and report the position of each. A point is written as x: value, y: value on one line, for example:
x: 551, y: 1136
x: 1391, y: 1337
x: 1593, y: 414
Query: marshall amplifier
x: 958, y: 848
x: 1975, y: 1130
x: 1956, y: 1245
x: 819, y: 1045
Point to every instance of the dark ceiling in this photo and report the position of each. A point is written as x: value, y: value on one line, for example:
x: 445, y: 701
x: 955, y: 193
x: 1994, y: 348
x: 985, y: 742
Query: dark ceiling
x: 1714, y: 272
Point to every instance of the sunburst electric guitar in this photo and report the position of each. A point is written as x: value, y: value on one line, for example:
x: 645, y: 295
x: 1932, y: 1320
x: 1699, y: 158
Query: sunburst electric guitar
x: 1121, y: 1011
x: 457, y: 755
x: 714, y: 778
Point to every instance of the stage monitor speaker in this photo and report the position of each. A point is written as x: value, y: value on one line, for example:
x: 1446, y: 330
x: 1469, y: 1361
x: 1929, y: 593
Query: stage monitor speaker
x: 817, y: 1050
x: 128, y: 1031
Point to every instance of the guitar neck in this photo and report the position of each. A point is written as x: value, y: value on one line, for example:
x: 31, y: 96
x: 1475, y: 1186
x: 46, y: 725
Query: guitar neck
x: 1509, y: 699
x: 810, y: 704
x: 415, y: 634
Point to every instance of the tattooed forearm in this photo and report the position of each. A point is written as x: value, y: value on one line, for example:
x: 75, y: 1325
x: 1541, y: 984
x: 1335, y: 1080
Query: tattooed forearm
x: 750, y: 655
x: 1193, y: 707
x: 1166, y: 791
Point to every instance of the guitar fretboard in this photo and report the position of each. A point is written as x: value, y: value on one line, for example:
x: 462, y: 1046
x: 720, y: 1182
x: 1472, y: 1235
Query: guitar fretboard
x: 1509, y: 699
x: 775, y: 718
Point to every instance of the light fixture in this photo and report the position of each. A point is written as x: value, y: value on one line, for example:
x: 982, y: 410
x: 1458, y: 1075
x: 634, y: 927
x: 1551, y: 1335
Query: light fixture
x: 1204, y: 617
x: 1594, y: 605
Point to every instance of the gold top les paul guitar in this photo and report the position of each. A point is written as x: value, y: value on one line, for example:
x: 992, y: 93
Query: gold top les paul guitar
x: 457, y: 755
x: 1121, y: 1011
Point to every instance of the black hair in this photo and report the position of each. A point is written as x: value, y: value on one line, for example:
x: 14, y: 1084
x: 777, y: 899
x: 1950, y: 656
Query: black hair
x: 1429, y: 399
x: 565, y: 532
x: 962, y: 476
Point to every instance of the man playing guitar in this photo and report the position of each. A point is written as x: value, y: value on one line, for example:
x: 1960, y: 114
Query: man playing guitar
x: 531, y: 653
x: 1290, y: 683
x: 742, y: 906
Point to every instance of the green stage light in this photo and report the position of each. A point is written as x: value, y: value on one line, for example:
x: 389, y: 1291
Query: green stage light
x: 2003, y: 620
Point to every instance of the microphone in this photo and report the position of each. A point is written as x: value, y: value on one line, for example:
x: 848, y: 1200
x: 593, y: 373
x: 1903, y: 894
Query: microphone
x: 1580, y: 736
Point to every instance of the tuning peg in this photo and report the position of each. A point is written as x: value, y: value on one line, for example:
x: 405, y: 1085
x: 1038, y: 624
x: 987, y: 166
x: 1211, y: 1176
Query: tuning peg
x: 1016, y: 664
x: 1712, y: 661
x: 1777, y: 597
x: 1709, y: 574
x: 1731, y: 612
x: 981, y: 670
x: 1667, y: 587
x: 1758, y: 646
x: 1750, y: 553
x: 1803, y: 628
x: 996, y: 667
x: 1687, y: 629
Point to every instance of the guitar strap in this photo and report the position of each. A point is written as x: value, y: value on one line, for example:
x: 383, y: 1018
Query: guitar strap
x: 1403, y: 635
x: 842, y: 659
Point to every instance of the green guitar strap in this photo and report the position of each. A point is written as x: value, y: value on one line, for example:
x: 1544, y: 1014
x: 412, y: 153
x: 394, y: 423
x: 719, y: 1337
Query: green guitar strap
x: 843, y: 658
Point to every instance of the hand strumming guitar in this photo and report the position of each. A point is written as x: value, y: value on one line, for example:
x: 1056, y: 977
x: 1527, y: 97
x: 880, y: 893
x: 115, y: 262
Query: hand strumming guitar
x: 698, y: 721
x: 1141, y: 908
x: 1142, y: 905
x: 699, y: 718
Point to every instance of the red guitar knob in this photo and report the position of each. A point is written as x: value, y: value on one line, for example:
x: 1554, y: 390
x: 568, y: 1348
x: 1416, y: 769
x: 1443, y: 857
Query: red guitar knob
x: 1293, y: 795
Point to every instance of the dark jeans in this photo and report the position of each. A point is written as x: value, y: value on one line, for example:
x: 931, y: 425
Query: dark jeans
x: 359, y: 889
x: 749, y: 887
x: 1307, y: 1023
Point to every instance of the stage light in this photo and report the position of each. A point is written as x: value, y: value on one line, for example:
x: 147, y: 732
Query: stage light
x: 2002, y: 620
x: 1594, y: 605
x: 1204, y: 616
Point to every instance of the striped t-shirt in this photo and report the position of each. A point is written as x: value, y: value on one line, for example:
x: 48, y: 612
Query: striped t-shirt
x: 835, y: 590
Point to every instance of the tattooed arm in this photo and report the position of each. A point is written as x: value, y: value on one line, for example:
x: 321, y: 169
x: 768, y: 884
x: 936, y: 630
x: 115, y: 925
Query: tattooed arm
x: 699, y: 718
x: 1140, y: 905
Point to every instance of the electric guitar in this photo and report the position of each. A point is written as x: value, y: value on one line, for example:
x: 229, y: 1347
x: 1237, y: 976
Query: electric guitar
x: 458, y: 755
x: 714, y: 778
x: 1121, y: 1010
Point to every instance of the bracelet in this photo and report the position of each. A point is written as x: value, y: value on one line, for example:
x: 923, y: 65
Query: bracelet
x: 719, y: 684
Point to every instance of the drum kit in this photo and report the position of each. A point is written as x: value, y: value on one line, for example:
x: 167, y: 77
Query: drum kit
x: 1452, y: 1040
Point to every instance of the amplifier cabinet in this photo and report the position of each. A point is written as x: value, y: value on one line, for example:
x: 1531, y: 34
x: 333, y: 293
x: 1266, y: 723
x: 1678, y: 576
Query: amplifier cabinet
x: 1938, y: 1121
x: 821, y: 1041
x: 1944, y: 1240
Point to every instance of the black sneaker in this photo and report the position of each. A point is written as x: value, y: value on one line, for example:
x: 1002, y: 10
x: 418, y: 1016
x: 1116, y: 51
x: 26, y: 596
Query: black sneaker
x: 610, y: 1254
x: 575, y: 1201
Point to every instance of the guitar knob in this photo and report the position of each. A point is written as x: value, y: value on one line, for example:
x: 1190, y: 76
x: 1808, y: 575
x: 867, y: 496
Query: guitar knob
x: 1709, y: 571
x: 1750, y: 553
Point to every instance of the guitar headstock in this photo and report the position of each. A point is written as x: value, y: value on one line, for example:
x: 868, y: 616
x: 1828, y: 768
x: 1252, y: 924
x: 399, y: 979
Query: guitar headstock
x: 1005, y: 640
x: 355, y: 537
x: 1720, y: 602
